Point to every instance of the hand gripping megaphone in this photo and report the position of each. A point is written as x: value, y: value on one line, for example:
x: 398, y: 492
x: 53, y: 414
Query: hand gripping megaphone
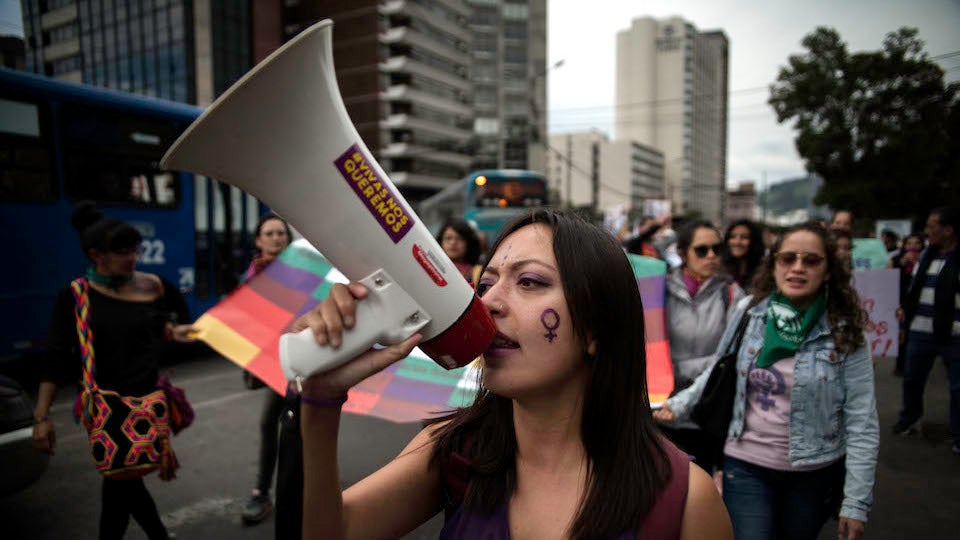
x: 283, y: 134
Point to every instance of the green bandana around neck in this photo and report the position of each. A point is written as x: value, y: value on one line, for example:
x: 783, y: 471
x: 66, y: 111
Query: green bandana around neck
x: 112, y: 282
x: 787, y: 327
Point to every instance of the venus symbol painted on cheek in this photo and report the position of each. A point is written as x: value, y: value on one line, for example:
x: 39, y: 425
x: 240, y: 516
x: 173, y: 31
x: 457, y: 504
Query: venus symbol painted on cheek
x: 551, y: 321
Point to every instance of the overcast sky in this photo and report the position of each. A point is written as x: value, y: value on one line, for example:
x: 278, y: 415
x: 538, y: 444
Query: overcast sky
x: 762, y: 34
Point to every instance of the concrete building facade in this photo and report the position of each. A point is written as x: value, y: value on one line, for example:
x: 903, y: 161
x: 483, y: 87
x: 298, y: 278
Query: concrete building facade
x: 509, y: 76
x: 182, y: 50
x: 588, y: 169
x: 403, y: 67
x: 671, y: 94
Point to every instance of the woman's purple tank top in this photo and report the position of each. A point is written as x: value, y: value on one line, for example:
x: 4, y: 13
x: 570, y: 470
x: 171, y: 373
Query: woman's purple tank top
x: 662, y: 522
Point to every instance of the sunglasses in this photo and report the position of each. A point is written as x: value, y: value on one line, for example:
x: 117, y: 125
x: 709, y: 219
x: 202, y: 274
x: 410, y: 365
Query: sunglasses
x: 789, y: 258
x: 701, y: 251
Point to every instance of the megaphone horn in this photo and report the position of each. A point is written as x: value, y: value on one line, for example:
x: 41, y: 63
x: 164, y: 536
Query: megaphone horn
x: 283, y: 134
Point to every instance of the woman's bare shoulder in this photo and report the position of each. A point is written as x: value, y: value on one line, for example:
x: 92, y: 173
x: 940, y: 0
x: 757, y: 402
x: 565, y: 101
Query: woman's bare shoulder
x: 704, y: 516
x: 148, y: 284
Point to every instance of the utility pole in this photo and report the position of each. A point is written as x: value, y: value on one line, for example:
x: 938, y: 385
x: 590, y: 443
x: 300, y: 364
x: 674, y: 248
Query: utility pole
x: 595, y: 175
x: 569, y: 170
x: 766, y: 194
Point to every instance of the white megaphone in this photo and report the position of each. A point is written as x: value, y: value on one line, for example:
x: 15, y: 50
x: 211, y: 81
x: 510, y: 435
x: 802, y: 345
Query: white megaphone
x: 283, y: 134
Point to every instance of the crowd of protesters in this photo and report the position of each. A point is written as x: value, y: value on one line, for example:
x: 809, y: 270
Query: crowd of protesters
x: 565, y: 424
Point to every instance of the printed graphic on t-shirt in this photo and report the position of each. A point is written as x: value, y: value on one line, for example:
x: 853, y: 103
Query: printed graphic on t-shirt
x: 767, y: 383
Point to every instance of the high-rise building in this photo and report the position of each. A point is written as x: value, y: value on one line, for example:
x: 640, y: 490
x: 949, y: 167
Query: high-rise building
x: 403, y: 70
x: 588, y: 169
x: 183, y: 50
x: 671, y: 94
x: 631, y: 168
x: 509, y: 76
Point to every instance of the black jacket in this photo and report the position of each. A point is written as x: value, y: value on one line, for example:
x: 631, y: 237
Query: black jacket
x: 944, y: 304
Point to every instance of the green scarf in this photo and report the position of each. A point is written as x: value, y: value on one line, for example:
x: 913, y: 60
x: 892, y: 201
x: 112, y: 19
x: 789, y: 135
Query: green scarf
x: 112, y: 282
x: 787, y: 327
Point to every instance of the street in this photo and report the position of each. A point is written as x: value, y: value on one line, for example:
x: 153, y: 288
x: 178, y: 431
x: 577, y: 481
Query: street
x: 917, y: 494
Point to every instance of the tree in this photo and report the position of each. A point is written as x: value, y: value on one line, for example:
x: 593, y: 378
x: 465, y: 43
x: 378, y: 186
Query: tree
x: 880, y: 127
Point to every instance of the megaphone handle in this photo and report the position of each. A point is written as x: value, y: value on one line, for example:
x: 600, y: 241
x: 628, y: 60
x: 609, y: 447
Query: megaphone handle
x: 387, y: 315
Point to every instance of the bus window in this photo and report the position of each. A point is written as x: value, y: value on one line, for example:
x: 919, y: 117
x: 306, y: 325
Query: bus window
x: 509, y: 193
x: 26, y: 174
x: 113, y: 158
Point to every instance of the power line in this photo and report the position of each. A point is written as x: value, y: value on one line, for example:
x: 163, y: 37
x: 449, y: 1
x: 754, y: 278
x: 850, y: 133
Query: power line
x: 671, y: 121
x: 738, y: 91
x: 656, y: 102
x: 569, y: 161
x: 950, y: 54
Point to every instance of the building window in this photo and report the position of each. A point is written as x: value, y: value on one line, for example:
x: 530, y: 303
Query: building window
x: 517, y: 12
x: 515, y: 31
x: 486, y: 126
x: 57, y: 4
x: 515, y: 53
x: 66, y: 65
x: 63, y: 33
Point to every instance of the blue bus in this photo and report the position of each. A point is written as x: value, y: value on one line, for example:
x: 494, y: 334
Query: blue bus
x: 61, y: 143
x: 488, y: 198
x: 495, y: 196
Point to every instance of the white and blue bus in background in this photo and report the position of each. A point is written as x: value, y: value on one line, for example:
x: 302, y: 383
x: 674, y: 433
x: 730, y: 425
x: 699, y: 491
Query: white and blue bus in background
x: 61, y: 143
x: 487, y: 198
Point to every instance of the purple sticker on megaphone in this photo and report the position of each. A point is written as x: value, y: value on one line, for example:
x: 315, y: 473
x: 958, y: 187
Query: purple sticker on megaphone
x: 385, y: 206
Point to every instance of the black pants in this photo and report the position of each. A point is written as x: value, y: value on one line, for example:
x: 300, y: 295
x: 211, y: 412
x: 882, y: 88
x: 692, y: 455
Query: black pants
x: 289, y: 517
x: 122, y: 499
x: 269, y: 420
x: 706, y: 451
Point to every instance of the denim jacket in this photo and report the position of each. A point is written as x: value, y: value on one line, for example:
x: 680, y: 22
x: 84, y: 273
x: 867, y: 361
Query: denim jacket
x: 833, y: 406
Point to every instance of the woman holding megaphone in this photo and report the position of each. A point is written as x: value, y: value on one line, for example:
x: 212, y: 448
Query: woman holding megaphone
x: 559, y: 442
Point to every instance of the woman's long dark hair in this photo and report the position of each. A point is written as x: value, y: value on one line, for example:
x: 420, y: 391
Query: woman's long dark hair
x: 847, y: 319
x: 461, y: 227
x: 627, y: 466
x: 754, y: 256
x: 102, y: 233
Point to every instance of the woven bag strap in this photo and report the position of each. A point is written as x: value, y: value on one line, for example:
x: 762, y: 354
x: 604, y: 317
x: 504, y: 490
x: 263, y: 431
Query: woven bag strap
x: 79, y: 287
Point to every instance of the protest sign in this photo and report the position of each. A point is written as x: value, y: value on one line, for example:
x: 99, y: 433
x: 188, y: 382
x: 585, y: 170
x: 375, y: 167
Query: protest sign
x: 869, y: 254
x: 879, y: 292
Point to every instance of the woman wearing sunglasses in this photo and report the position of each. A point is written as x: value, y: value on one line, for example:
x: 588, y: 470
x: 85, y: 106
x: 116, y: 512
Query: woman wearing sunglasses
x: 699, y: 299
x: 804, y: 430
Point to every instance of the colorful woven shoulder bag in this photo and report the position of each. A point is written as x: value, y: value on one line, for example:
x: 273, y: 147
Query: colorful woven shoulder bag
x: 129, y: 435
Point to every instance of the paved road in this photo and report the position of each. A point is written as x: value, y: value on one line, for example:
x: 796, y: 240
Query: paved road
x: 218, y: 457
x: 918, y: 479
x: 918, y: 494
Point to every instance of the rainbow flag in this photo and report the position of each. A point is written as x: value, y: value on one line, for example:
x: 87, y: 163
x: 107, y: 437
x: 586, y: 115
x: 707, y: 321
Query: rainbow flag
x: 246, y: 327
x: 652, y: 280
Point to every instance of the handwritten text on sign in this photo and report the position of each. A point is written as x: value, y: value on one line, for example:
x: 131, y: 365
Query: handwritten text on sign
x: 879, y: 292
